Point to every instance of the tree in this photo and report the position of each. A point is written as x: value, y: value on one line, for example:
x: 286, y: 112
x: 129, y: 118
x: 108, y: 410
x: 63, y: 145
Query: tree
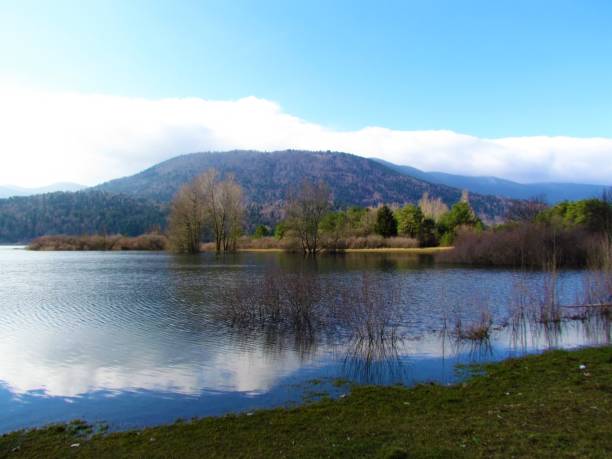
x: 461, y: 214
x: 206, y: 202
x: 224, y: 206
x: 432, y: 208
x: 232, y: 213
x: 428, y: 233
x: 261, y: 231
x: 409, y: 221
x: 280, y: 230
x: 594, y: 215
x: 334, y: 226
x: 187, y: 218
x: 386, y: 224
x: 304, y: 211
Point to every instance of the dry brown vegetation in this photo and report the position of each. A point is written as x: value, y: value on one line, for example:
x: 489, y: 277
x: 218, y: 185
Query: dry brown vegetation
x: 151, y: 241
x: 292, y: 244
x: 373, y: 241
x: 523, y: 245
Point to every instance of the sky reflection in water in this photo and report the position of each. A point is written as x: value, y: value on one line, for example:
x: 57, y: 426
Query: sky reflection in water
x: 132, y: 338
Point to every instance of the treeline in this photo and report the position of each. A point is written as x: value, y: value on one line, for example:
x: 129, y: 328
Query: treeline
x: 84, y: 212
x: 310, y: 220
x: 209, y: 206
x: 568, y: 234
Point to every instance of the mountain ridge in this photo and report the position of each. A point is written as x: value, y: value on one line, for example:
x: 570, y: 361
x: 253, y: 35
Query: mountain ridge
x: 9, y: 191
x: 550, y: 192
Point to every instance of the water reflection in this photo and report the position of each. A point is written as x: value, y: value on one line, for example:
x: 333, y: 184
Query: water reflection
x: 137, y: 338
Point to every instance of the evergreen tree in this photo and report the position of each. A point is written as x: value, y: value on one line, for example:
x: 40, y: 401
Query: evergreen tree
x: 261, y: 231
x: 386, y: 224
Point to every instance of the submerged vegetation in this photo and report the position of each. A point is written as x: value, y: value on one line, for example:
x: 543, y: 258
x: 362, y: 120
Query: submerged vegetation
x: 303, y: 304
x: 555, y: 404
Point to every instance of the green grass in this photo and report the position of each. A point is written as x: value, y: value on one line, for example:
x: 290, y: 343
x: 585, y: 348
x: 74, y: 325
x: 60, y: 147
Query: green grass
x: 538, y: 406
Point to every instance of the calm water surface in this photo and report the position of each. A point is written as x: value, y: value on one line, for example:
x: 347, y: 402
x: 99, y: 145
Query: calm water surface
x: 133, y: 338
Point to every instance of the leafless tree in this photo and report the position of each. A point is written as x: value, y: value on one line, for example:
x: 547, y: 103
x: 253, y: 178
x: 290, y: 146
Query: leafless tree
x: 432, y: 208
x: 187, y: 218
x: 207, y: 202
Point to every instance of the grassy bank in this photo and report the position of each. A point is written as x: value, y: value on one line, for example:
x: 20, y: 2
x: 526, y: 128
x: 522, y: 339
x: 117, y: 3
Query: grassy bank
x: 538, y: 406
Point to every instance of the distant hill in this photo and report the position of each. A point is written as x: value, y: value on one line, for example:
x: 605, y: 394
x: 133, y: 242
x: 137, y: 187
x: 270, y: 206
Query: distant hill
x: 132, y: 205
x: 8, y: 191
x: 267, y: 177
x: 84, y: 212
x: 551, y: 192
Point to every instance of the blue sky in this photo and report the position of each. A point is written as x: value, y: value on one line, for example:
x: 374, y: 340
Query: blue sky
x: 436, y: 79
x: 487, y: 68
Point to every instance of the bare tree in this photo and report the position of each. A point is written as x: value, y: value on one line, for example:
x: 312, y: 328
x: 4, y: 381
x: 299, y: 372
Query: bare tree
x: 225, y: 207
x: 232, y: 205
x: 305, y: 210
x: 187, y: 218
x: 207, y: 202
x: 433, y: 208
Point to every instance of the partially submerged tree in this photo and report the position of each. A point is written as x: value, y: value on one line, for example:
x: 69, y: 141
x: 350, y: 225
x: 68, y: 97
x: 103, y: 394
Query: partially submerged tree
x: 304, y: 211
x: 187, y: 218
x: 207, y: 202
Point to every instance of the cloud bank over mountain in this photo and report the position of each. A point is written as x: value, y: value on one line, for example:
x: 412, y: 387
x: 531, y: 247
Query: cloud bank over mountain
x: 90, y: 138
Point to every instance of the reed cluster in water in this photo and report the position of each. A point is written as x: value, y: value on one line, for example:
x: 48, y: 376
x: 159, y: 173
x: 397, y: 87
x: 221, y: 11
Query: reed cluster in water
x: 302, y: 302
x: 535, y: 307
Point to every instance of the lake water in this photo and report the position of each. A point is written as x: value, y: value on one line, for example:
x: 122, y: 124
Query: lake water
x: 136, y: 339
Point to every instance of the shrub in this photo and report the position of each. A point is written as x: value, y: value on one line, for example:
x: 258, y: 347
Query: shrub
x: 151, y: 241
x: 521, y: 245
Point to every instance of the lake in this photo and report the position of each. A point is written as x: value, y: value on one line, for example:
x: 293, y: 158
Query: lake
x: 135, y: 338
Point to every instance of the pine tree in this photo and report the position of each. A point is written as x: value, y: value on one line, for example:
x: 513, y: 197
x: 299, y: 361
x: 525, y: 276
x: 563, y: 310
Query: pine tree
x: 386, y: 224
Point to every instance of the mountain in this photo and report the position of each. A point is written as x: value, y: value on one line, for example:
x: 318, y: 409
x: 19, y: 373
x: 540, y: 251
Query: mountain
x: 268, y: 177
x: 7, y: 191
x: 550, y: 191
x: 134, y: 204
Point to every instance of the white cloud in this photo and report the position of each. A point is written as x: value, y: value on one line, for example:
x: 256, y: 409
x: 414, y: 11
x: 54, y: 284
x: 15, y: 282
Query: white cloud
x: 88, y: 138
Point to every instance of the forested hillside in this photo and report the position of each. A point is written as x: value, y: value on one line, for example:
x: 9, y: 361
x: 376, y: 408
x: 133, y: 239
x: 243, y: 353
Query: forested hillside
x: 82, y: 212
x: 268, y: 177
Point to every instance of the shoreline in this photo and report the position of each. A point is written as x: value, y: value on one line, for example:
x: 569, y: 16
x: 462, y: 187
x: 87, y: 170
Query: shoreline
x: 415, y: 251
x: 556, y: 403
